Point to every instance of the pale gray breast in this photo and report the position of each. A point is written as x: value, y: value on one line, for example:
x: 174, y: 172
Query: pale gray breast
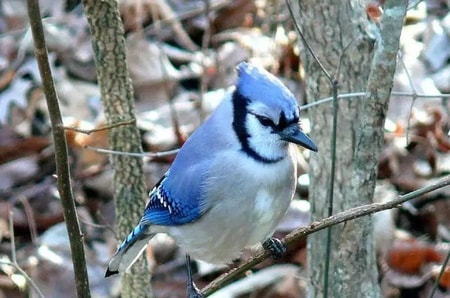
x: 246, y: 199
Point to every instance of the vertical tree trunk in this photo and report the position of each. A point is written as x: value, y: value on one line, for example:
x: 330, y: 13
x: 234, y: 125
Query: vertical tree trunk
x: 339, y: 34
x: 117, y: 96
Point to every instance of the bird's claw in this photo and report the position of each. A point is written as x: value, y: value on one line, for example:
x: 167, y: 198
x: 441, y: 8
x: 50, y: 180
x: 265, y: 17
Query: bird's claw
x: 193, y: 291
x: 275, y: 247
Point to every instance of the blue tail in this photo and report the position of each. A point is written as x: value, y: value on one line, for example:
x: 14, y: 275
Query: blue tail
x: 130, y: 249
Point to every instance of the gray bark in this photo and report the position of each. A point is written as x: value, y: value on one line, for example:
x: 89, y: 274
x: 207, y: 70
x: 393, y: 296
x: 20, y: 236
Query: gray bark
x: 117, y: 96
x: 339, y: 34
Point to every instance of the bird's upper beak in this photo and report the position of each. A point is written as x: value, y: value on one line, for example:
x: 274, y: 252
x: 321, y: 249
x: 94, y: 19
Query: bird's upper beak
x: 293, y: 134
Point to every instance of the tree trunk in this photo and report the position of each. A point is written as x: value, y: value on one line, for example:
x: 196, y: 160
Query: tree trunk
x: 339, y: 34
x: 117, y: 96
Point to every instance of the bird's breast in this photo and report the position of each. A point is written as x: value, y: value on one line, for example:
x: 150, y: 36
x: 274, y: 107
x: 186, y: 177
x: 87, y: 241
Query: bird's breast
x: 246, y: 202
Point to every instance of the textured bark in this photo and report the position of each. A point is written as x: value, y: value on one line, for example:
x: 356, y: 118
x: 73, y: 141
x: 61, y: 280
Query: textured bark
x: 339, y: 34
x: 117, y: 96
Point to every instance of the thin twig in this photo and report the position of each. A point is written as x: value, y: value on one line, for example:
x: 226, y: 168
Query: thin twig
x: 330, y: 193
x: 14, y: 259
x: 308, y: 47
x: 106, y: 127
x: 206, y: 39
x: 25, y: 275
x: 216, y: 5
x: 181, y: 36
x: 420, y: 95
x: 30, y: 219
x: 352, y: 95
x: 315, y: 226
x: 414, y: 97
x: 13, y: 240
x: 167, y: 89
x: 144, y: 154
x: 97, y: 226
x: 436, y: 282
x: 362, y: 94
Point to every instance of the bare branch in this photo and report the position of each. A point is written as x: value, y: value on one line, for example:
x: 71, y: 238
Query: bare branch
x: 320, y: 225
x: 359, y: 94
x: 436, y: 283
x: 14, y: 259
x: 61, y: 152
x: 89, y: 131
x: 143, y: 154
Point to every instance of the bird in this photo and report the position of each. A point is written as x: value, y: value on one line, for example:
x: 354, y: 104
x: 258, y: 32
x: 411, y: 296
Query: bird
x: 232, y: 180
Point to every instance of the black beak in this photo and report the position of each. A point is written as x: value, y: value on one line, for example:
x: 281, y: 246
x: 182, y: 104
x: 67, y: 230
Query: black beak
x: 294, y: 135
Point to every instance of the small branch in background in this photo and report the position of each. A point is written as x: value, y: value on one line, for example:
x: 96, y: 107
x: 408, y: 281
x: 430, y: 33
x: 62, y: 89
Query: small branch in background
x: 173, y: 111
x: 360, y: 94
x: 189, y: 14
x: 14, y: 259
x: 144, y: 154
x: 30, y: 219
x: 98, y: 226
x: 320, y: 225
x: 167, y: 13
x: 61, y: 152
x: 107, y: 127
x: 441, y: 273
x: 310, y: 50
x: 13, y: 239
x: 206, y: 40
x: 414, y: 94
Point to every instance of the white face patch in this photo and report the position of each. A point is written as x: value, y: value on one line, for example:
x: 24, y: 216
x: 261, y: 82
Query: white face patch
x: 264, y: 141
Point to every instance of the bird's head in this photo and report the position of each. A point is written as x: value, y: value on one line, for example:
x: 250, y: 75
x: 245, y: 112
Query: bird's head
x: 266, y: 115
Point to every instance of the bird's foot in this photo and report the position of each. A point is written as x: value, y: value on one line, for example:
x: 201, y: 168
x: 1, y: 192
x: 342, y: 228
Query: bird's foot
x: 275, y: 247
x: 193, y: 291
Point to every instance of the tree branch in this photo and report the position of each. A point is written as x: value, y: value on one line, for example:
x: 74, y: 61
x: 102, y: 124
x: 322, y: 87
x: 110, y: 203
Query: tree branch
x: 320, y: 225
x: 89, y: 131
x: 14, y: 263
x: 62, y: 165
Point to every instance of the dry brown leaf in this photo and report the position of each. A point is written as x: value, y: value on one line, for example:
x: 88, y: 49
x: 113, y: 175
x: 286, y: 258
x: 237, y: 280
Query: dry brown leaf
x: 22, y: 147
x: 409, y: 256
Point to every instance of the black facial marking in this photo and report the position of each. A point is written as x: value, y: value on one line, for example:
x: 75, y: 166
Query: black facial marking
x: 240, y: 104
x: 284, y: 122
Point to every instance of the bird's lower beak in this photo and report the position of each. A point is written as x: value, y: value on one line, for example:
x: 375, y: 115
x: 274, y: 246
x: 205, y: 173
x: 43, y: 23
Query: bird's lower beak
x: 293, y: 134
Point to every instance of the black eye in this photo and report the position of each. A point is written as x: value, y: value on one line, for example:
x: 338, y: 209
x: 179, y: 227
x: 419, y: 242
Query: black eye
x: 265, y: 121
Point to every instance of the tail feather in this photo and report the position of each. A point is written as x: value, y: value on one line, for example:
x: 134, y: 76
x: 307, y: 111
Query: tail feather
x: 130, y: 249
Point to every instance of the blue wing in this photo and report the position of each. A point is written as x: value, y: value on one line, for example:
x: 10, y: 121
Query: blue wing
x: 184, y: 204
x: 171, y: 208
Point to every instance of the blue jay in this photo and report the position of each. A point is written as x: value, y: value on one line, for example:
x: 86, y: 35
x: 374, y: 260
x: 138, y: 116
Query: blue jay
x: 232, y: 181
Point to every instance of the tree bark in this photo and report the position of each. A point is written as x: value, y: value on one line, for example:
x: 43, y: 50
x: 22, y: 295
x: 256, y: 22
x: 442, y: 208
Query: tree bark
x: 117, y: 97
x: 341, y: 37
